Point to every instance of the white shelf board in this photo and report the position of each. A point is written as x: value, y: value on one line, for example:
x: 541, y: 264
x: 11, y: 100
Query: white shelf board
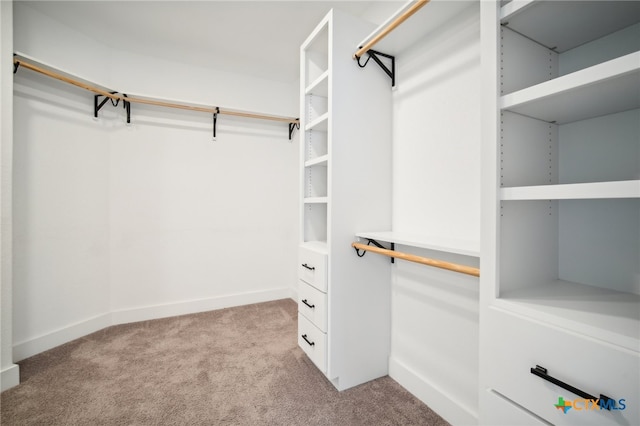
x: 318, y: 161
x: 319, y: 124
x: 513, y: 8
x: 608, y: 315
x: 606, y: 88
x: 61, y: 70
x: 621, y: 189
x: 568, y: 24
x: 319, y: 246
x: 430, y: 17
x: 448, y: 245
x: 320, y: 86
x: 132, y: 94
x: 316, y: 200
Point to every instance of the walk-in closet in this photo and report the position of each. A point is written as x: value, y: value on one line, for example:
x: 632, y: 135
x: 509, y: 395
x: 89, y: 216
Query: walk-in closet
x: 418, y: 212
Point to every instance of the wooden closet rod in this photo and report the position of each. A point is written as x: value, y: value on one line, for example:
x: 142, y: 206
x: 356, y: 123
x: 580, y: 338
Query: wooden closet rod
x: 392, y: 25
x: 419, y: 259
x: 211, y: 110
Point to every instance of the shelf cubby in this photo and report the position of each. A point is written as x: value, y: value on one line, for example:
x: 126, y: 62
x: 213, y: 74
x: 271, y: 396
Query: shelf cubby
x: 569, y: 196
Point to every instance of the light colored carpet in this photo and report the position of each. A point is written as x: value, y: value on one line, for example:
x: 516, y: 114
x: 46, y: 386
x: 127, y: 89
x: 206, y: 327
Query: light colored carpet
x: 237, y: 366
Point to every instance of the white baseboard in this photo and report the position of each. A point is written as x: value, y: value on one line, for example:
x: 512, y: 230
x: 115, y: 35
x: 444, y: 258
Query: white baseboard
x: 194, y: 306
x: 9, y: 377
x: 293, y: 294
x: 440, y: 402
x: 58, y: 337
x: 34, y: 346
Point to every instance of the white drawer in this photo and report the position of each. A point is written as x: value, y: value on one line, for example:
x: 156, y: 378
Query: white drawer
x: 313, y: 268
x: 499, y: 411
x: 313, y: 342
x: 518, y: 345
x: 312, y: 303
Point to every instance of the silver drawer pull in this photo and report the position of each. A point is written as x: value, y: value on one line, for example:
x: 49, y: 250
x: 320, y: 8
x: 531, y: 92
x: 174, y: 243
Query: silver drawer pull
x: 307, y: 303
x: 304, y: 336
x: 311, y: 268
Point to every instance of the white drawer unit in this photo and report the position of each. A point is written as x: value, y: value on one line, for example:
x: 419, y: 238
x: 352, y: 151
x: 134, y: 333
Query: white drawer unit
x: 313, y: 342
x: 561, y: 376
x: 312, y: 268
x: 500, y: 411
x: 559, y: 297
x: 312, y: 303
x: 344, y: 112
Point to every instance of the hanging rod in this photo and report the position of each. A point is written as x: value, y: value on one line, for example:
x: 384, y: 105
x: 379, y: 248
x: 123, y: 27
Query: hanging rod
x: 115, y: 96
x: 390, y: 27
x: 463, y: 269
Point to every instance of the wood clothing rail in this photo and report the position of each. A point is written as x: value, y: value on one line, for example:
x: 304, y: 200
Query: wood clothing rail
x: 463, y: 269
x: 148, y: 101
x: 390, y: 27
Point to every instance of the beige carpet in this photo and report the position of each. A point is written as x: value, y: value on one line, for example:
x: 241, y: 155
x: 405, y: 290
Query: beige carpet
x: 237, y: 366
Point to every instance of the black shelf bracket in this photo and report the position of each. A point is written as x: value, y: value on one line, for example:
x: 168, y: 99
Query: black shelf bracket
x: 375, y: 55
x: 215, y: 122
x: 377, y: 244
x: 293, y: 126
x: 97, y: 104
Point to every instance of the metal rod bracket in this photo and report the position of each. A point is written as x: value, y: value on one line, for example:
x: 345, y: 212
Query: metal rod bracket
x: 215, y: 122
x: 292, y: 126
x: 375, y: 55
x: 377, y: 244
x: 97, y: 106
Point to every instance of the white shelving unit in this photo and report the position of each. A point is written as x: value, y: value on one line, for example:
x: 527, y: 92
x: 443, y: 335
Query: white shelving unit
x: 562, y: 238
x: 344, y: 306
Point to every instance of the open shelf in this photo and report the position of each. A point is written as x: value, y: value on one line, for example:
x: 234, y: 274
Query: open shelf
x: 606, y: 88
x: 320, y: 86
x: 568, y: 24
x: 318, y: 246
x: 622, y: 189
x: 319, y: 124
x: 318, y: 161
x: 316, y: 57
x: 316, y: 200
x: 608, y: 315
x: 448, y: 245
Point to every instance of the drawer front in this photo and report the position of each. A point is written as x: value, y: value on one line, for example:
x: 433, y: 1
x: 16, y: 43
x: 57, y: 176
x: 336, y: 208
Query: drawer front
x: 312, y: 303
x: 518, y: 345
x: 312, y: 268
x: 313, y: 342
x: 499, y: 411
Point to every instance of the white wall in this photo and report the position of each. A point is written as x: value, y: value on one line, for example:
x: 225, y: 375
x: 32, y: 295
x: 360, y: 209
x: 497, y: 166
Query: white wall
x: 436, y: 192
x: 194, y: 219
x: 124, y: 222
x: 9, y: 376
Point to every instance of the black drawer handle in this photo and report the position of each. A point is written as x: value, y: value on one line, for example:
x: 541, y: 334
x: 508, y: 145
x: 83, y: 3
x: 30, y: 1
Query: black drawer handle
x: 307, y: 303
x: 542, y: 372
x: 304, y: 336
x: 311, y: 268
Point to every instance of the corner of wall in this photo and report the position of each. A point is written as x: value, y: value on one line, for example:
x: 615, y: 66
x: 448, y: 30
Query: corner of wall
x: 10, y: 372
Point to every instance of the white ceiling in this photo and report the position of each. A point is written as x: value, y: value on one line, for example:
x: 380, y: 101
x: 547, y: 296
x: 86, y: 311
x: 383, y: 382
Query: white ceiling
x: 255, y: 37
